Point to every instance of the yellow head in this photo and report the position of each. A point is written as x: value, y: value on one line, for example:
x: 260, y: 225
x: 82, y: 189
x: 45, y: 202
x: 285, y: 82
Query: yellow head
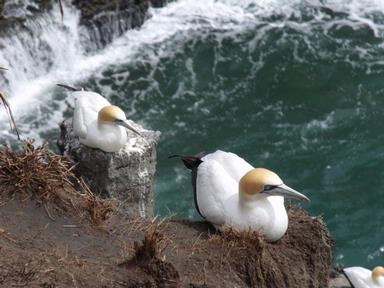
x: 111, y: 114
x: 377, y: 272
x: 261, y: 181
x: 255, y: 180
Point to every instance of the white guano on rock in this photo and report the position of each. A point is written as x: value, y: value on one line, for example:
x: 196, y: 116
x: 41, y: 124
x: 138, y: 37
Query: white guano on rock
x: 126, y: 176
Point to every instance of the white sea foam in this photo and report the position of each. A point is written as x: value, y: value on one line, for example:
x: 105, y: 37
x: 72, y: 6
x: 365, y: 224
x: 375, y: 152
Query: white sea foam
x: 51, y: 51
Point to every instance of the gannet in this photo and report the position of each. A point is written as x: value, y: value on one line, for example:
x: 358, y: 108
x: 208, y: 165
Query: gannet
x: 360, y: 277
x: 99, y: 124
x: 228, y: 191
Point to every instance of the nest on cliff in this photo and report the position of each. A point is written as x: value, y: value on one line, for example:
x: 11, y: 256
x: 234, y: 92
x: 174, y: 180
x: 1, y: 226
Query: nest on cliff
x: 37, y: 172
x: 301, y: 258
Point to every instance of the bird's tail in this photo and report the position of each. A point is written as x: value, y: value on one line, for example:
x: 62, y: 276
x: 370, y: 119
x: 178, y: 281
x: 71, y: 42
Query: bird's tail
x: 191, y: 162
x: 346, y: 276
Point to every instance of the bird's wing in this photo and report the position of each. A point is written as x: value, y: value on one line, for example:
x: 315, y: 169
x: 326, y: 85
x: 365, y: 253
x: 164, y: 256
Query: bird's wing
x: 359, y: 277
x: 213, y: 187
x: 234, y: 165
x: 87, y: 107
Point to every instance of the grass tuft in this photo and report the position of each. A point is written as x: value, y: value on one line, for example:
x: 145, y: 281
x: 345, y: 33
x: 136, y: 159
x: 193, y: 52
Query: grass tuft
x: 233, y: 238
x: 7, y: 107
x: 37, y: 172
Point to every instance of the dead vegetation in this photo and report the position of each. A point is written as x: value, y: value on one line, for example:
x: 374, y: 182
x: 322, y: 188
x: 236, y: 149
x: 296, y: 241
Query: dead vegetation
x: 47, y: 177
x: 149, y: 249
x: 149, y: 257
x: 12, y: 122
x: 20, y: 274
x: 160, y: 253
x: 232, y: 238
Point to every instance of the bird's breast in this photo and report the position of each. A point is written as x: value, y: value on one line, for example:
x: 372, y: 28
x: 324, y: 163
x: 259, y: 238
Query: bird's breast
x: 268, y: 215
x: 109, y: 138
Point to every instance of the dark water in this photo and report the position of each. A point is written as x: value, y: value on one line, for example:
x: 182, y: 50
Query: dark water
x: 294, y: 86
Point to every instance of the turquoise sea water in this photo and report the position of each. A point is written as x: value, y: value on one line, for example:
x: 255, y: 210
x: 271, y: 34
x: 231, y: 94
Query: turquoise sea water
x: 294, y: 86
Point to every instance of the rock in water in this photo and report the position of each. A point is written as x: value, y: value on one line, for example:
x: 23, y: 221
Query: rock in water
x: 127, y: 175
x: 106, y: 20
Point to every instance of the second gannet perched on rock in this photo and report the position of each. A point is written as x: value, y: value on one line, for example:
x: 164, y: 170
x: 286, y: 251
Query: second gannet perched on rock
x: 99, y: 124
x: 360, y: 277
x: 228, y: 191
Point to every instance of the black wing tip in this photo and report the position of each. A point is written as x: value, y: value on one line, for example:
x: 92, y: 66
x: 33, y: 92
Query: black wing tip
x: 174, y: 156
x: 346, y: 276
x: 191, y: 162
x: 70, y: 88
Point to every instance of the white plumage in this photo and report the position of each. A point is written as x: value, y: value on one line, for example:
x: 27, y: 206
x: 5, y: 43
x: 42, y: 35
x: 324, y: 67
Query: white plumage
x: 87, y: 107
x: 229, y: 191
x: 363, y: 278
x: 99, y: 124
x: 217, y: 181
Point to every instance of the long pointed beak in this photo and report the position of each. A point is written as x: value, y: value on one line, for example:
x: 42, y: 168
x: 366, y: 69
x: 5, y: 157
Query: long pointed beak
x: 285, y: 191
x: 128, y: 126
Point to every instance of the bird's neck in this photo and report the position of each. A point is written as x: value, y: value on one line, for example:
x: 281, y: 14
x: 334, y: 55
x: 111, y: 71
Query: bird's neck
x: 105, y: 125
x: 251, y: 201
x: 246, y: 200
x: 110, y: 128
x: 378, y: 280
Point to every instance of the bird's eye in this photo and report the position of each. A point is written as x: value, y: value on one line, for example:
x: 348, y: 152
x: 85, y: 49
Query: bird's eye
x: 269, y: 187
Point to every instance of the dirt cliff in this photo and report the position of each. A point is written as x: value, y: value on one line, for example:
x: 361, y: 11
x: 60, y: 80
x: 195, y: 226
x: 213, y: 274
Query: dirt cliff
x: 54, y: 232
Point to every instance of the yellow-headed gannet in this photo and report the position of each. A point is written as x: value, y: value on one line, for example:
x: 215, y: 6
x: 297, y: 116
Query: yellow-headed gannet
x: 99, y: 124
x: 360, y: 277
x: 228, y: 191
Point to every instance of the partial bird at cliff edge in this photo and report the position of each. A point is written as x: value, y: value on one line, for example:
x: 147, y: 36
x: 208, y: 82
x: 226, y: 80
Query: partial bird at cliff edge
x: 360, y: 277
x: 97, y: 123
x: 228, y: 191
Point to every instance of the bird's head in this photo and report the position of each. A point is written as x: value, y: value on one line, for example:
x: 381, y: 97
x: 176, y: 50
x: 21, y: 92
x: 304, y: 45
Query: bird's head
x: 377, y: 272
x: 263, y: 182
x: 114, y: 115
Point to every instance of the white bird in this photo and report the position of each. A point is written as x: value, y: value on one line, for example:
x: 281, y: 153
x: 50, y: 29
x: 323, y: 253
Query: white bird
x: 228, y: 191
x: 360, y: 277
x: 99, y: 124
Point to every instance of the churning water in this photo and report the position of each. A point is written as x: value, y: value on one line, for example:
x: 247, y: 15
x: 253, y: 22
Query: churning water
x: 294, y: 86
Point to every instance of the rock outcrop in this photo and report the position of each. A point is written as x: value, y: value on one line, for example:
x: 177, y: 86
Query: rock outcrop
x: 106, y: 20
x: 1, y: 8
x: 103, y: 20
x: 127, y: 175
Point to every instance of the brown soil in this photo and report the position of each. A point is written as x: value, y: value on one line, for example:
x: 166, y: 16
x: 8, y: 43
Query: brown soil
x: 38, y: 250
x: 55, y: 233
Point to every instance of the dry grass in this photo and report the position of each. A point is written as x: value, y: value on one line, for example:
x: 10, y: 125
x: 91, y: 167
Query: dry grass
x: 8, y: 110
x: 21, y: 273
x: 39, y: 173
x: 151, y: 248
x: 149, y: 257
x: 232, y: 238
x: 97, y: 209
x: 153, y: 245
x: 148, y: 225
